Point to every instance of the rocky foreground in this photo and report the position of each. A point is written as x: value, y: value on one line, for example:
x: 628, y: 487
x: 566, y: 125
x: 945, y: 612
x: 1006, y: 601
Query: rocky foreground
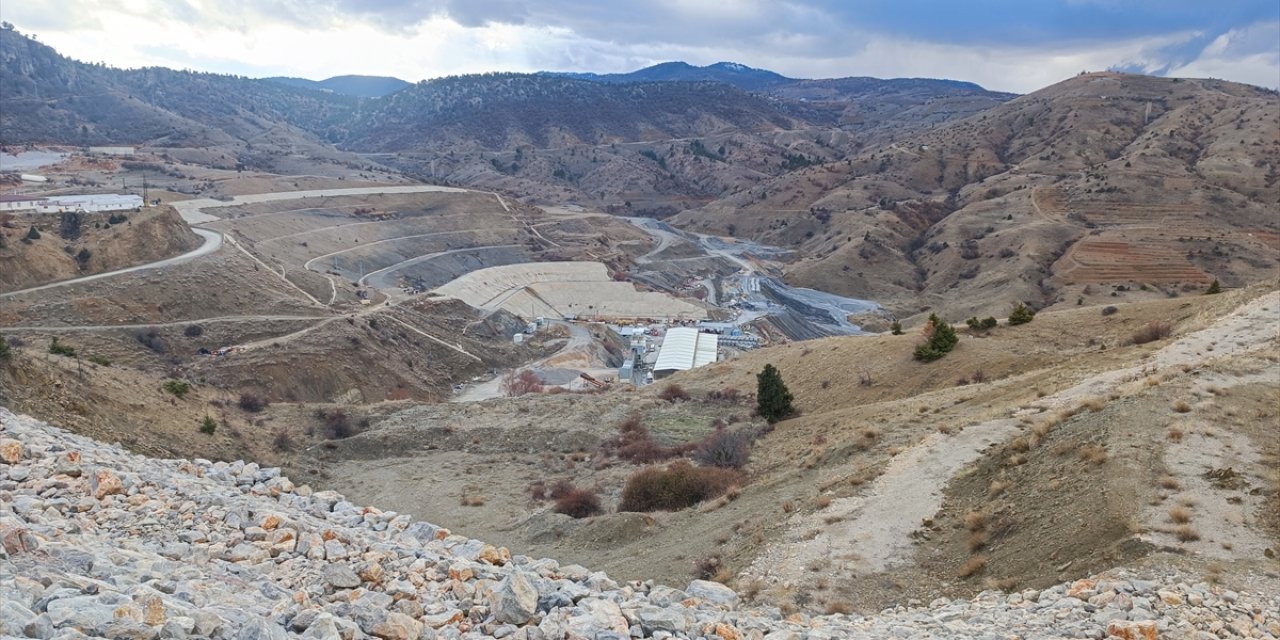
x: 98, y: 542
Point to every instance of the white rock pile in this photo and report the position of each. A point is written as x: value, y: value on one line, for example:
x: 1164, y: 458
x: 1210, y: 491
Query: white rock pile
x: 98, y: 542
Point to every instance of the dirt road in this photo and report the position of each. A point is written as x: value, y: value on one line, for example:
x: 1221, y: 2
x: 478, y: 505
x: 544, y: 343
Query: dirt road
x: 193, y: 210
x: 575, y: 354
x: 875, y: 528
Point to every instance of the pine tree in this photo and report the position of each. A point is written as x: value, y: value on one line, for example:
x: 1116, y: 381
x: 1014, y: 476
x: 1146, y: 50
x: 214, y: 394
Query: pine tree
x: 773, y: 400
x: 940, y: 338
x: 896, y: 328
x: 208, y: 426
x: 1021, y: 314
x: 1213, y: 288
x: 33, y: 233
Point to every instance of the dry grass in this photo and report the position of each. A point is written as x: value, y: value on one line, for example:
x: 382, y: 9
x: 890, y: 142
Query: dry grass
x: 839, y: 606
x: 1182, y: 406
x: 788, y: 506
x: 1171, y: 483
x: 977, y: 541
x: 1093, y: 453
x: 1180, y: 515
x: 1094, y: 404
x: 972, y: 566
x: 998, y: 487
x: 1186, y: 533
x: 1151, y: 332
x: 1175, y: 434
x: 975, y: 520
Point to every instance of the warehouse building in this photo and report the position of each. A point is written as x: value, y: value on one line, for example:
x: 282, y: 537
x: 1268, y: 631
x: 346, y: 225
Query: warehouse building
x: 685, y: 348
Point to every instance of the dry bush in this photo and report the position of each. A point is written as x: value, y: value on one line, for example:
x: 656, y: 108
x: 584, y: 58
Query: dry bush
x: 706, y: 567
x: 975, y: 520
x: 724, y: 448
x: 1151, y: 332
x: 727, y: 394
x: 560, y: 489
x: 788, y: 506
x: 823, y: 502
x: 1175, y: 434
x: 972, y: 566
x: 1094, y: 404
x: 252, y: 402
x: 944, y: 429
x: 538, y: 490
x: 578, y: 503
x: 335, y: 424
x: 977, y: 540
x: 471, y: 501
x: 838, y: 606
x: 636, y: 444
x: 1180, y: 515
x: 1020, y: 445
x: 998, y: 487
x: 1042, y: 429
x: 1093, y: 453
x: 518, y: 383
x: 677, y: 487
x: 1169, y: 482
x: 673, y: 392
x: 1182, y: 406
x: 1186, y: 533
x: 281, y: 441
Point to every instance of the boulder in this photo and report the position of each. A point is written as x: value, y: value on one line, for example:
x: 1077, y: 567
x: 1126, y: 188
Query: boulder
x: 515, y: 599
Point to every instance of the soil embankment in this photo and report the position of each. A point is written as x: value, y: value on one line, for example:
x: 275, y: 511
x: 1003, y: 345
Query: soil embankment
x: 95, y: 243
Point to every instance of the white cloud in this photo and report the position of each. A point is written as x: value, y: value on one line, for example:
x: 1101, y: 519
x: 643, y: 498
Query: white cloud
x: 415, y: 40
x: 1243, y: 55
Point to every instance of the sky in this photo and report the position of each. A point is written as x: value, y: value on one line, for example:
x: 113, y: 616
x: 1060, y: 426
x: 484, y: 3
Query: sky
x: 1007, y: 45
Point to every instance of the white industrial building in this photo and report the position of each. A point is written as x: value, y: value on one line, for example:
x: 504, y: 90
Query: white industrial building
x: 59, y: 204
x: 20, y: 202
x: 94, y: 202
x: 112, y: 151
x: 685, y: 348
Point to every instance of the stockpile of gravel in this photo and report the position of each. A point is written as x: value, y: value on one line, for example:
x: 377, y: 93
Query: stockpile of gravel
x: 99, y: 542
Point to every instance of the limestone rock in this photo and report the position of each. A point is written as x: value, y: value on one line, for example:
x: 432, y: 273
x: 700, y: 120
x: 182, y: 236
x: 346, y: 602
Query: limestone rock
x: 515, y: 599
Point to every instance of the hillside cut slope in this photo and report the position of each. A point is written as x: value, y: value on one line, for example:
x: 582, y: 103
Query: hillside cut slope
x: 100, y: 542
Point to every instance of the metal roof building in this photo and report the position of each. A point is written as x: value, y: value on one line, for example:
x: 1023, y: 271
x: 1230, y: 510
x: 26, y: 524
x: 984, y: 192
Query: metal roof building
x: 685, y: 348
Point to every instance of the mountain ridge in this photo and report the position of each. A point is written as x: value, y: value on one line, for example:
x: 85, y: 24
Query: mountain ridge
x: 357, y: 86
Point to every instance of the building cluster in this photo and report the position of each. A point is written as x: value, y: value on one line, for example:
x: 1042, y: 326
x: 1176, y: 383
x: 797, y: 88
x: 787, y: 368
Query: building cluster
x: 60, y: 204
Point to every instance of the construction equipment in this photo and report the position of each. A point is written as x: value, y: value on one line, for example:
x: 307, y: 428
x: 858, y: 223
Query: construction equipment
x: 595, y: 383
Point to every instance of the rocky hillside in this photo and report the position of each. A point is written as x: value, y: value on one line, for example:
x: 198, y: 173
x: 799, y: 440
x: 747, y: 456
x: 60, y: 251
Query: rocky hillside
x: 96, y: 541
x: 1101, y: 181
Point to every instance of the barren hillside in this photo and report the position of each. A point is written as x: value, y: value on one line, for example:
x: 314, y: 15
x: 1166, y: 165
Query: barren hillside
x: 80, y: 244
x: 872, y: 483
x: 1101, y: 181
